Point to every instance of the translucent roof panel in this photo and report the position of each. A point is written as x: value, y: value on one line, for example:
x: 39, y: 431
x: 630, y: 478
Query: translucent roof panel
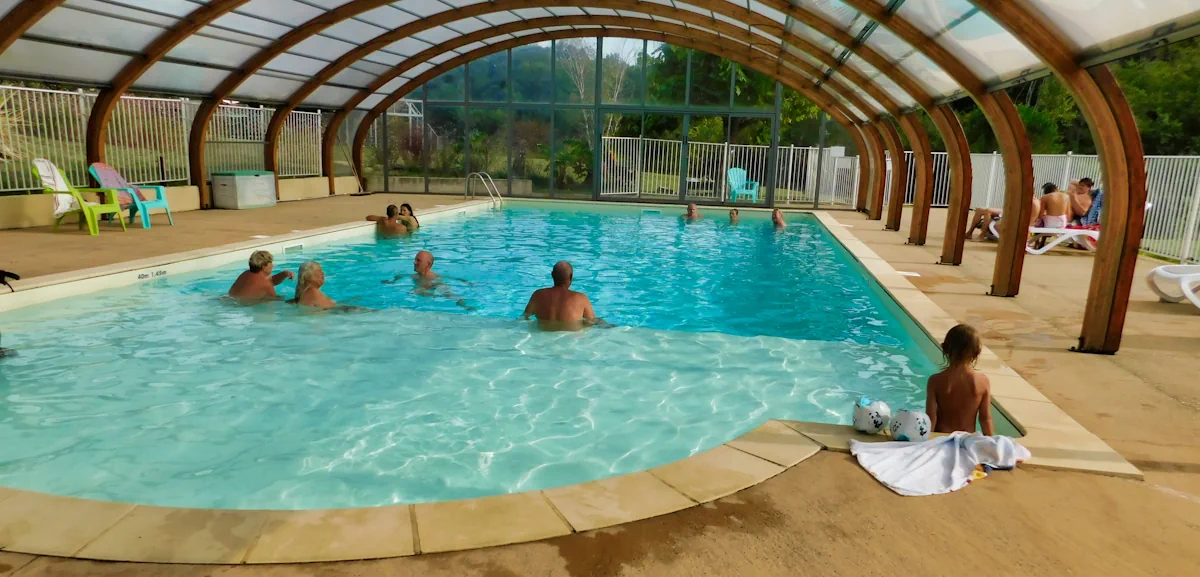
x: 1124, y: 22
x: 987, y: 49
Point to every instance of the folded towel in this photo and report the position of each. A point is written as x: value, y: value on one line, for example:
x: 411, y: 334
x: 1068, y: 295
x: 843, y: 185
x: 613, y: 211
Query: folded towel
x: 936, y: 466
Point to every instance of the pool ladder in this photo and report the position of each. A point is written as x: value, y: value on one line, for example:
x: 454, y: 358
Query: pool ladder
x: 488, y: 184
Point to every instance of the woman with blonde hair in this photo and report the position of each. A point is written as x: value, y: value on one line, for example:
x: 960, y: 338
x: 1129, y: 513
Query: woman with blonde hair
x: 308, y: 287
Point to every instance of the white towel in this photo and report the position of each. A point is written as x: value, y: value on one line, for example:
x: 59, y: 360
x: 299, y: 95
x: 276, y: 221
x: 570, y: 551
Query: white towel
x: 938, y: 465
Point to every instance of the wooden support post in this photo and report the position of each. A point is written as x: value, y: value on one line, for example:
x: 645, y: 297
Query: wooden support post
x: 864, y: 168
x: 923, y: 177
x: 958, y: 153
x: 899, y: 174
x: 1124, y: 218
x: 196, y: 150
x: 1018, y: 192
x: 878, y: 166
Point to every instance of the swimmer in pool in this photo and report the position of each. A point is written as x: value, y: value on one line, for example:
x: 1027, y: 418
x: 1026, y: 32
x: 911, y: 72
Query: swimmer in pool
x: 429, y: 283
x: 777, y: 219
x: 733, y: 216
x: 407, y: 218
x: 308, y: 287
x: 692, y: 213
x: 258, y: 284
x: 559, y: 308
x: 389, y: 225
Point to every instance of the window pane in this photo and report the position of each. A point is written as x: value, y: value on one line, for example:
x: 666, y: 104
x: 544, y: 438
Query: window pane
x: 489, y: 78
x: 444, y: 136
x: 531, y: 72
x: 622, y: 75
x: 622, y: 162
x: 663, y: 147
x: 749, y: 145
x: 666, y: 73
x: 573, y: 159
x: 575, y: 70
x: 753, y: 89
x: 531, y: 153
x: 710, y: 80
x: 405, y: 135
x: 706, y: 157
x: 489, y: 144
x: 448, y: 86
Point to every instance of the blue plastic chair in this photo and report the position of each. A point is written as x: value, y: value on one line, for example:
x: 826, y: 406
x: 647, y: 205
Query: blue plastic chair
x: 108, y: 177
x: 739, y: 186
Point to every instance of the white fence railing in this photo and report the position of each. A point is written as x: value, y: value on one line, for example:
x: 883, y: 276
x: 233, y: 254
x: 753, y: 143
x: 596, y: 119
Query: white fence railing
x: 651, y: 167
x: 147, y: 137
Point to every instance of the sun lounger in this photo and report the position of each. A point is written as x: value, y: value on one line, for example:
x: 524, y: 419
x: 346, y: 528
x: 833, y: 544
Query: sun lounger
x: 1057, y: 236
x: 1185, y: 277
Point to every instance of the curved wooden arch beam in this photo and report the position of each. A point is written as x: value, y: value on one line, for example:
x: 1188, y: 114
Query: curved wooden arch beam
x: 864, y: 173
x: 102, y: 109
x: 899, y: 163
x: 836, y: 85
x: 766, y: 66
x: 1119, y: 145
x: 922, y: 177
x: 853, y: 76
x: 1010, y: 134
x: 958, y: 155
x: 22, y: 17
x: 878, y: 170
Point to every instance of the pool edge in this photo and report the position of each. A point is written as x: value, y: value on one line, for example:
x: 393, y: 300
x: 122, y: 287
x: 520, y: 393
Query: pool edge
x: 1056, y: 440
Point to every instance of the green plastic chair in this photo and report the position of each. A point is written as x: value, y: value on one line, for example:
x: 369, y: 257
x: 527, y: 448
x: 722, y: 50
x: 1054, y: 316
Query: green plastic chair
x: 68, y: 200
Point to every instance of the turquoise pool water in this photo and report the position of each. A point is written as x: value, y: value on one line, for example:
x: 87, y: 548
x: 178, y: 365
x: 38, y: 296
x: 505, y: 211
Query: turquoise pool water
x: 168, y: 395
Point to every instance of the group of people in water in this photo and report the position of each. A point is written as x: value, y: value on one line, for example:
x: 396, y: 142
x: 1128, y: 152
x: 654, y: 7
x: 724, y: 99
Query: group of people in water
x: 556, y: 307
x: 1078, y: 206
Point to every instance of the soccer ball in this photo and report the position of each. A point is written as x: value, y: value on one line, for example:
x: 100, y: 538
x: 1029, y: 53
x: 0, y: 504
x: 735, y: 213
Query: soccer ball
x: 871, y: 416
x: 910, y: 426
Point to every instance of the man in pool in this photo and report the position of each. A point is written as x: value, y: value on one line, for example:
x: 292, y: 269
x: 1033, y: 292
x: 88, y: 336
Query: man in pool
x: 258, y: 284
x: 733, y: 216
x: 389, y: 225
x: 559, y: 308
x: 692, y: 213
x: 429, y: 283
x: 777, y: 219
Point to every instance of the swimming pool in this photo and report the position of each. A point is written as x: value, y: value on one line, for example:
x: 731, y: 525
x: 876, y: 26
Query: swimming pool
x: 162, y: 393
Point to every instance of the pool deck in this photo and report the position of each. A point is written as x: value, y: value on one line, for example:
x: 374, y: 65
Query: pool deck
x: 807, y: 517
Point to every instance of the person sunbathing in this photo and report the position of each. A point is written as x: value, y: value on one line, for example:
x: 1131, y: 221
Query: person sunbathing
x: 258, y: 284
x: 1056, y: 208
x: 389, y: 225
x: 958, y: 396
x: 983, y: 218
x: 308, y: 287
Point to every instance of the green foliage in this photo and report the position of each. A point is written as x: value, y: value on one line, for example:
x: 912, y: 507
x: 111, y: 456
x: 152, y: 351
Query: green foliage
x: 707, y: 129
x: 1162, y: 89
x: 1040, y: 127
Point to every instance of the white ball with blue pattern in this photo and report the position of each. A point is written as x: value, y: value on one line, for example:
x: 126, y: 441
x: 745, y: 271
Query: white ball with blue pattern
x: 910, y: 426
x: 871, y: 416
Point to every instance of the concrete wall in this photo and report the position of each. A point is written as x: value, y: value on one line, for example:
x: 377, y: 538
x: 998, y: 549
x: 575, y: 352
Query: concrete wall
x: 314, y: 187
x: 29, y: 210
x: 439, y: 185
x: 345, y: 184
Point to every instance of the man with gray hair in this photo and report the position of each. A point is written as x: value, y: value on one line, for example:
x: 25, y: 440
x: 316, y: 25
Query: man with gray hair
x: 559, y: 308
x: 258, y: 284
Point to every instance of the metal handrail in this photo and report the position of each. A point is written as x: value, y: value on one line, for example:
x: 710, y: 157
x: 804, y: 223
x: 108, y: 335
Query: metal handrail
x: 488, y: 184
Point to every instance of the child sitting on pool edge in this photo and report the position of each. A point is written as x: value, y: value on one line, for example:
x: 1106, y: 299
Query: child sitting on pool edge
x: 958, y: 395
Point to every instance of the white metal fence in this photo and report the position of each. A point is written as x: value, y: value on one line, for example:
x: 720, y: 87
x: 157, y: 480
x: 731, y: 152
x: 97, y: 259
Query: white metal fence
x: 147, y: 137
x: 652, y: 167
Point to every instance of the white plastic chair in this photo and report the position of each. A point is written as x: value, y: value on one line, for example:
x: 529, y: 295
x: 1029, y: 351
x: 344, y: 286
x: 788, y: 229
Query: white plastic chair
x: 1185, y: 277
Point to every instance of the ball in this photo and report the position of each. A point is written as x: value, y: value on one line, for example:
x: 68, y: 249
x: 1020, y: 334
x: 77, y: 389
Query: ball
x: 871, y: 416
x: 910, y: 426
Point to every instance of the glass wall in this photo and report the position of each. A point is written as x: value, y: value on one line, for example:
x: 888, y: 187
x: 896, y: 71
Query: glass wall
x: 593, y: 118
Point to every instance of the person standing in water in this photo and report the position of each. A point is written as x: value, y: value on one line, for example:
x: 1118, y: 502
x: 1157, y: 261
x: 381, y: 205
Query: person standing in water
x: 389, y: 225
x: 308, y: 287
x: 692, y: 213
x: 408, y: 218
x: 558, y: 308
x: 257, y: 284
x: 733, y: 216
x: 429, y: 283
x: 958, y: 396
x: 777, y: 219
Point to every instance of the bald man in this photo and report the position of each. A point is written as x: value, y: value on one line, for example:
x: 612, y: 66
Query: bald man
x: 559, y: 308
x: 429, y: 283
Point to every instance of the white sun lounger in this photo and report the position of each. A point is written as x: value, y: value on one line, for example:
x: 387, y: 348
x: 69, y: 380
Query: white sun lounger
x: 1184, y: 276
x: 1060, y: 235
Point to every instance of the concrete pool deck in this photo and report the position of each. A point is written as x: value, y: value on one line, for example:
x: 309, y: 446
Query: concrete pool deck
x: 1177, y: 475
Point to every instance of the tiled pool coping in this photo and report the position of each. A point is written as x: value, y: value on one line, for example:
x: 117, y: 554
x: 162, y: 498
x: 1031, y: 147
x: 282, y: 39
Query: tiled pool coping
x: 44, y: 524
